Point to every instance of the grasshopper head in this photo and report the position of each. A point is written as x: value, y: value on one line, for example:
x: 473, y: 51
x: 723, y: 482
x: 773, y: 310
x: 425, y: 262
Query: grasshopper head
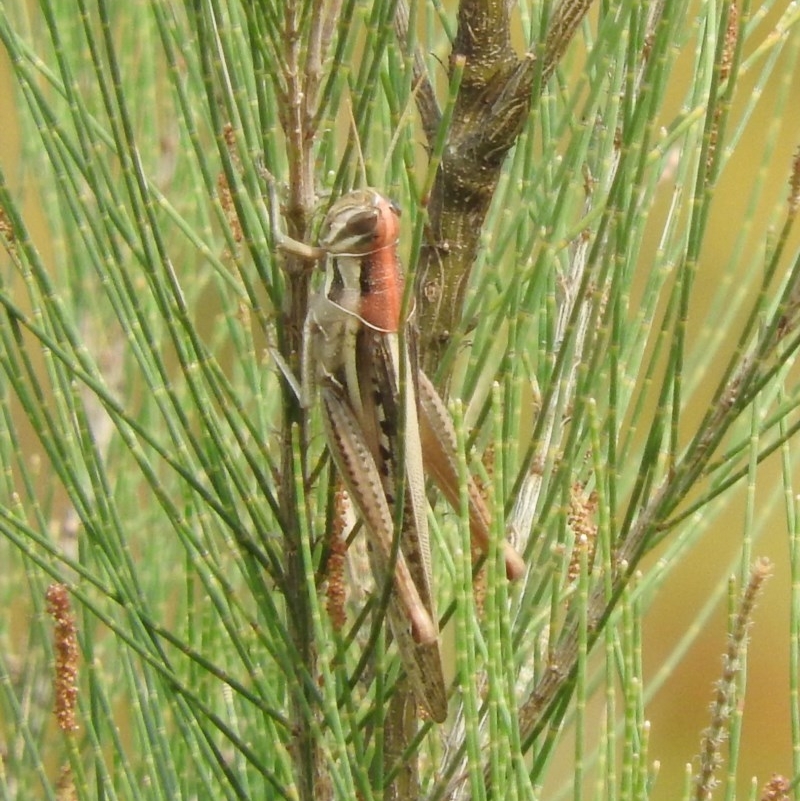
x: 359, y: 223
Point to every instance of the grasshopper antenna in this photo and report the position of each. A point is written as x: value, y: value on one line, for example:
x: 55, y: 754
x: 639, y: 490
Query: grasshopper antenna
x: 362, y: 164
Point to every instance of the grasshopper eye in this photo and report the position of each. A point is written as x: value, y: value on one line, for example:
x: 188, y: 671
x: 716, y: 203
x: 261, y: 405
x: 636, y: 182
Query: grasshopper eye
x: 361, y: 224
x: 349, y: 231
x: 358, y: 222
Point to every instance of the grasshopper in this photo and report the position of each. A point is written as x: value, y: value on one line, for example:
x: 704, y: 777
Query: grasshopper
x: 358, y: 350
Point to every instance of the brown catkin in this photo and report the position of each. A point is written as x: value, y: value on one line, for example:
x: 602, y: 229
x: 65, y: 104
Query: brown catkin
x: 65, y: 644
